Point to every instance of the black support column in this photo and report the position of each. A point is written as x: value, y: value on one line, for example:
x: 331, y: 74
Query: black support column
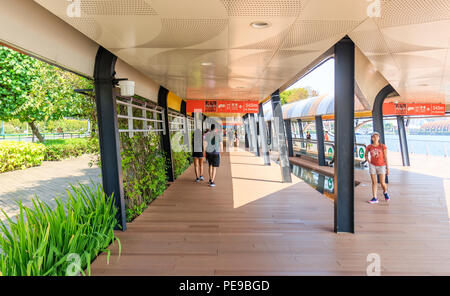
x: 377, y: 111
x: 403, y: 140
x: 263, y: 135
x: 165, y: 137
x: 344, y: 110
x: 288, y: 126
x: 320, y: 140
x: 108, y: 132
x: 247, y: 142
x: 280, y: 137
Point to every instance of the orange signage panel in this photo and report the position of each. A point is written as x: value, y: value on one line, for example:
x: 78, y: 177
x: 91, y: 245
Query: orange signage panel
x: 413, y: 109
x: 222, y: 106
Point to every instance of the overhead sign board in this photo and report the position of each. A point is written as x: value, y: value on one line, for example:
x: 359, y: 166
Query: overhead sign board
x: 222, y: 106
x: 413, y: 109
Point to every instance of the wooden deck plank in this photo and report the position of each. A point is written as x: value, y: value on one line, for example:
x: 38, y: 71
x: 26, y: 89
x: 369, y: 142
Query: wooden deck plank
x: 252, y: 224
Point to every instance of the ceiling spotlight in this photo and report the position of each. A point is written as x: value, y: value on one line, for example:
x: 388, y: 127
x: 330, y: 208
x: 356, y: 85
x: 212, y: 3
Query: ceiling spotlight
x: 260, y: 24
x: 206, y: 64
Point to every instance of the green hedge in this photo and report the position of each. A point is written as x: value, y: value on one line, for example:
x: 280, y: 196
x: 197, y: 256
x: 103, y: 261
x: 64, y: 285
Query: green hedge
x: 63, y: 241
x: 62, y: 149
x: 20, y: 155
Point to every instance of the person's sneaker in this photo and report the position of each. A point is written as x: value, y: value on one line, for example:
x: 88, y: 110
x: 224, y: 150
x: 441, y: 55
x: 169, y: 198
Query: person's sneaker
x: 201, y: 178
x: 386, y: 197
x: 373, y: 201
x: 197, y: 180
x: 212, y: 184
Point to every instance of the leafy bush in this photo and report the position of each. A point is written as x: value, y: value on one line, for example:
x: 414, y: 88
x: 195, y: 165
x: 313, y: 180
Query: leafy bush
x: 144, y: 171
x: 61, y: 149
x: 181, y: 158
x: 20, y: 155
x: 181, y: 161
x: 45, y: 241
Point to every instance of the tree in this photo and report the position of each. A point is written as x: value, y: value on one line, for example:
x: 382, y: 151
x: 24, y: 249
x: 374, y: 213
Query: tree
x: 295, y: 94
x: 32, y: 91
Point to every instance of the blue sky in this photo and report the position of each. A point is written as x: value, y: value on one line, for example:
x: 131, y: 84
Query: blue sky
x: 320, y: 79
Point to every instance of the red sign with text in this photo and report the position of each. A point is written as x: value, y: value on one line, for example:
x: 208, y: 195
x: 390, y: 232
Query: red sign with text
x: 413, y: 109
x: 222, y: 106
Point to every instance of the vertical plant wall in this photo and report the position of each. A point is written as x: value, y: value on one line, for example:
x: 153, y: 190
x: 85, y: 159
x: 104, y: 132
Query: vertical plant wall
x: 143, y: 165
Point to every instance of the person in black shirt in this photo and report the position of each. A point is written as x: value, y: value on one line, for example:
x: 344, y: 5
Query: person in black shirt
x: 212, y: 139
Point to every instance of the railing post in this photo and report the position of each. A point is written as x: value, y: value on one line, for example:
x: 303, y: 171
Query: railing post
x: 252, y: 134
x: 344, y: 52
x: 108, y: 131
x: 288, y: 126
x: 263, y: 135
x: 320, y: 140
x: 403, y: 140
x: 281, y: 137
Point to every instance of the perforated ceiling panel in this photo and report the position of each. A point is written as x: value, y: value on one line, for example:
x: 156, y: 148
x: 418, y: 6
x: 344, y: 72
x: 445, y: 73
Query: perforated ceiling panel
x: 117, y: 7
x: 265, y: 8
x: 208, y: 48
x: 186, y: 32
x: 408, y: 12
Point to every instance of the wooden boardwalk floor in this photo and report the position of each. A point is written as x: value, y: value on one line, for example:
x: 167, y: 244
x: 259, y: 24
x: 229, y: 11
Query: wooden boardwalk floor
x: 252, y: 224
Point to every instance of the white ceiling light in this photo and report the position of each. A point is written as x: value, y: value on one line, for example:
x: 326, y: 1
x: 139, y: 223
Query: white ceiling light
x: 260, y: 24
x: 206, y: 64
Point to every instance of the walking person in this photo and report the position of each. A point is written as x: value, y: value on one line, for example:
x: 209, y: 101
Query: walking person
x: 212, y: 139
x: 378, y: 165
x: 198, y: 154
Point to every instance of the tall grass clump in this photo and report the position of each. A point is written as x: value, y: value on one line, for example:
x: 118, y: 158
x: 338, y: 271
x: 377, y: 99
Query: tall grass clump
x: 61, y: 241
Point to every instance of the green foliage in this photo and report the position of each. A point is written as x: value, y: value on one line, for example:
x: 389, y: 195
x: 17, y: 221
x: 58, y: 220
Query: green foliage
x: 65, y: 126
x: 31, y: 90
x: 20, y: 155
x: 144, y: 171
x: 62, y: 149
x: 295, y: 94
x: 43, y: 241
x: 181, y: 161
x: 181, y: 158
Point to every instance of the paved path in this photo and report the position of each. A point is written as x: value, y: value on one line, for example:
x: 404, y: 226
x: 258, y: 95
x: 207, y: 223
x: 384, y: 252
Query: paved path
x: 252, y: 224
x: 45, y: 182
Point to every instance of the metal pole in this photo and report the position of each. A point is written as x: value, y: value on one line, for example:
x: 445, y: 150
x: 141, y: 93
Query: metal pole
x: 403, y: 140
x: 320, y: 140
x: 344, y: 52
x: 263, y: 135
x: 108, y: 132
x: 288, y: 126
x: 165, y: 137
x: 252, y: 134
x: 300, y: 128
x: 281, y: 137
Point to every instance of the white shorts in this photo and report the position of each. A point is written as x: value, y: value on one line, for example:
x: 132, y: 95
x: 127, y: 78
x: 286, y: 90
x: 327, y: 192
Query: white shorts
x: 377, y: 170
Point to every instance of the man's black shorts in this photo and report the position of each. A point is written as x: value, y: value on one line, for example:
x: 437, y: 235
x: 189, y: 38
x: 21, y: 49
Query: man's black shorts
x: 213, y: 159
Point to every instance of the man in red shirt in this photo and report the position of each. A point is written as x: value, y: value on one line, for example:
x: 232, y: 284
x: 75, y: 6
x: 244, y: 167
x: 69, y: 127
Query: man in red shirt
x: 378, y: 165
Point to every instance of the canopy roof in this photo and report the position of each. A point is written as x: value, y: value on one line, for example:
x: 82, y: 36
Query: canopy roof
x: 321, y: 105
x: 207, y: 49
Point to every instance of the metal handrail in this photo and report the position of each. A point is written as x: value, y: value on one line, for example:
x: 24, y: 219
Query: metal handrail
x: 27, y: 136
x: 307, y: 148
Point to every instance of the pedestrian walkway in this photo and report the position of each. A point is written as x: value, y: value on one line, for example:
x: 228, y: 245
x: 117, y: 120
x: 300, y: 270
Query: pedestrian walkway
x: 45, y: 182
x: 252, y: 224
